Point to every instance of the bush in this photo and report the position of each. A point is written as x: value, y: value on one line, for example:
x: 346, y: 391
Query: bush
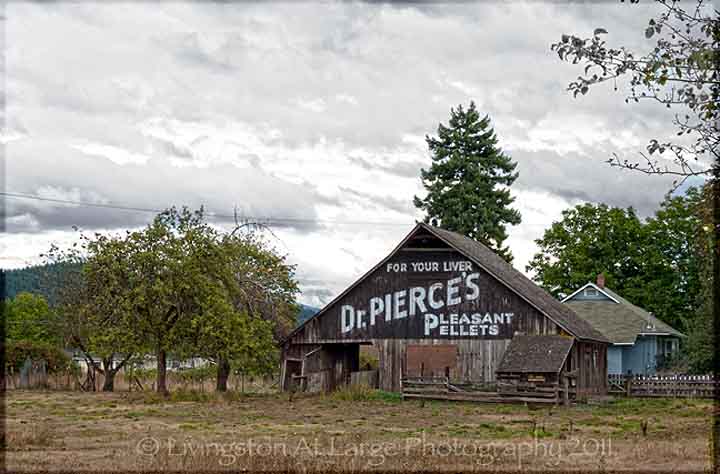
x: 195, y: 375
x: 368, y: 362
x: 16, y: 353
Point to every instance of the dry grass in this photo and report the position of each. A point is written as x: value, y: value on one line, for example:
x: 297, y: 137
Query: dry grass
x: 353, y: 430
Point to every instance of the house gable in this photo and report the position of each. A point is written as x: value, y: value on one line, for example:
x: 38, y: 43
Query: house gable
x: 590, y: 292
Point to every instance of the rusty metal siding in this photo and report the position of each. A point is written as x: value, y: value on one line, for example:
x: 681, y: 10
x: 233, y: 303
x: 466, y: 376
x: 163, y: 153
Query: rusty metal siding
x: 431, y: 360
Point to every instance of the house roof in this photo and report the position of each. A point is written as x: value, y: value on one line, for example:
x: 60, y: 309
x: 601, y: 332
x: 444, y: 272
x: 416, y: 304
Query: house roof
x: 502, y: 271
x: 520, y: 284
x: 620, y: 321
x: 535, y: 354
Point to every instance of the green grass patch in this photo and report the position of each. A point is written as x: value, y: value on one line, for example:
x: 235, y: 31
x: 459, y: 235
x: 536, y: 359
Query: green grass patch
x: 363, y: 393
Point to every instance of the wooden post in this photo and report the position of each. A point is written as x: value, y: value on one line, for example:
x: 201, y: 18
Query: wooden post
x: 628, y: 385
x: 566, y: 391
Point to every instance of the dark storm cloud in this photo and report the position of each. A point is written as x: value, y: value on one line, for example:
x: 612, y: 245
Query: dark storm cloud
x: 402, y: 206
x: 575, y: 177
x: 153, y: 185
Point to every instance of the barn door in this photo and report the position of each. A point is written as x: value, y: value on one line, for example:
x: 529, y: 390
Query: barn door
x: 293, y: 367
x: 431, y: 361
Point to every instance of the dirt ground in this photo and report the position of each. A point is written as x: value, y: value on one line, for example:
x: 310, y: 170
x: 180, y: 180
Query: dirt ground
x: 347, y: 431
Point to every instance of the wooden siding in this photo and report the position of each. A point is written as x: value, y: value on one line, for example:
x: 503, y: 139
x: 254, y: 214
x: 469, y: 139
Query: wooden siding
x: 323, y: 346
x: 588, y: 360
x: 476, y: 359
x: 494, y: 298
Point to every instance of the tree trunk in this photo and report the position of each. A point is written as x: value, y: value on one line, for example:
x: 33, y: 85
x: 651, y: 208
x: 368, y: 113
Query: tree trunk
x: 109, y: 372
x: 223, y: 372
x: 161, y: 385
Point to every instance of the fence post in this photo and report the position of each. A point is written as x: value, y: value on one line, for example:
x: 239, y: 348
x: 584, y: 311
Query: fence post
x: 628, y: 384
x: 566, y: 391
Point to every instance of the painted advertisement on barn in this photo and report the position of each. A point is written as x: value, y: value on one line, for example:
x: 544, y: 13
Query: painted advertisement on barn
x: 436, y: 295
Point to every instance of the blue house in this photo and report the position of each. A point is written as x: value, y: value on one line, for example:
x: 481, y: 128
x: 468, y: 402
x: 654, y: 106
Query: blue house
x: 639, y: 342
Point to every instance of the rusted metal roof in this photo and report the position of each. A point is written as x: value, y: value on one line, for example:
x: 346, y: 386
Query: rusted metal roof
x: 543, y: 354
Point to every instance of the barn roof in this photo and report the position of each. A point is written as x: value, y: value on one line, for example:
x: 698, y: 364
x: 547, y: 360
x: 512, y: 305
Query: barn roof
x: 620, y: 321
x: 520, y: 284
x: 535, y: 354
x: 488, y: 260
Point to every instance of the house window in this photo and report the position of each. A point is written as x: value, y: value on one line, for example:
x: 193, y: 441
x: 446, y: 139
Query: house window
x: 590, y: 292
x: 668, y: 346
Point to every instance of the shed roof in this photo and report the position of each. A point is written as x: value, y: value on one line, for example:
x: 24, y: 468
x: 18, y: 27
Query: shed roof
x: 620, y: 321
x: 527, y: 354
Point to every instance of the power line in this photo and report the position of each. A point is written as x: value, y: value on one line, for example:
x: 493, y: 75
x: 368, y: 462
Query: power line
x: 261, y: 220
x: 265, y: 220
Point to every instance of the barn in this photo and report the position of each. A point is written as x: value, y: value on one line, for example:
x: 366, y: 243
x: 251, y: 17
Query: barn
x: 443, y: 304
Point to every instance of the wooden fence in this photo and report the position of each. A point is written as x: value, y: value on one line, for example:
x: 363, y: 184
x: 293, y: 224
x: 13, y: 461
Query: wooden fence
x: 676, y: 385
x: 124, y: 383
x: 442, y: 388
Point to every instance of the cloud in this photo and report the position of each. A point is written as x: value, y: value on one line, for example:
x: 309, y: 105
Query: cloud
x: 112, y: 153
x: 575, y: 177
x: 314, y: 112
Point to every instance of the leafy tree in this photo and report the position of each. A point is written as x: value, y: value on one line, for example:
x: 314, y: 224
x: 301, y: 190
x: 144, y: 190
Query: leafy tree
x: 169, y: 274
x: 588, y: 240
x: 703, y: 329
x: 679, y: 72
x: 263, y: 288
x: 91, y: 315
x: 654, y: 263
x: 27, y: 318
x: 176, y: 286
x: 672, y: 285
x: 468, y: 182
x: 251, y: 305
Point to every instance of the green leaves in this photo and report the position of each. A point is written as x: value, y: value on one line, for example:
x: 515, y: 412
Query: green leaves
x: 27, y: 318
x: 467, y: 183
x: 655, y: 264
x: 680, y: 67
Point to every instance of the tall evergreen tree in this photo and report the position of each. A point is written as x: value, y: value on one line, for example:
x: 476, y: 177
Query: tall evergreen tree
x: 468, y: 182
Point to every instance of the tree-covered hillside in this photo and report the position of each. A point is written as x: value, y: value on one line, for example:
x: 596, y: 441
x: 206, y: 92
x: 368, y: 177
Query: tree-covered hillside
x: 41, y: 280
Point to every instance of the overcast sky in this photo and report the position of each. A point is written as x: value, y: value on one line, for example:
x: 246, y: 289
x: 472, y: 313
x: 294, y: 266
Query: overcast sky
x: 310, y: 112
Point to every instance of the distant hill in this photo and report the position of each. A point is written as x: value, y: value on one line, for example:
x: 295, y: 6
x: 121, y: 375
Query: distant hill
x: 306, y: 312
x: 40, y: 279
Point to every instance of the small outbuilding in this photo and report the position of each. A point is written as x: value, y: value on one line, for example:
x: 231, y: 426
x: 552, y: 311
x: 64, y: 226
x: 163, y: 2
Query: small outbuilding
x: 443, y: 304
x: 534, y: 362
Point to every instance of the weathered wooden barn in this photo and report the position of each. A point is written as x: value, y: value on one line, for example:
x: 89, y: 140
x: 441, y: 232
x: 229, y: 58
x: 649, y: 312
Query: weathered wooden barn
x: 439, y: 304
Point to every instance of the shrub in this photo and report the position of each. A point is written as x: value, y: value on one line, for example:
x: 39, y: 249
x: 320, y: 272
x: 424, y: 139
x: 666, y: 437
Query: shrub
x: 368, y: 362
x: 17, y: 352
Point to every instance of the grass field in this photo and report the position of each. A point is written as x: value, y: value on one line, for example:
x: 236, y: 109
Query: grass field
x: 352, y: 431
